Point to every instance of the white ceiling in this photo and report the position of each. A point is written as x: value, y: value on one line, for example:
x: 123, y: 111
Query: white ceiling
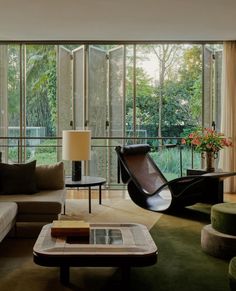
x: 115, y: 20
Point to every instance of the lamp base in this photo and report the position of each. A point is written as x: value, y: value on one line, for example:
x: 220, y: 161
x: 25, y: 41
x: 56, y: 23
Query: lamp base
x: 76, y: 171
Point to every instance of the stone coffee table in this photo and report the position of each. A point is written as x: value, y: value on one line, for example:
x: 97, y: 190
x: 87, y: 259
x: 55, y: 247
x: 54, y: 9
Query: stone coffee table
x: 123, y: 245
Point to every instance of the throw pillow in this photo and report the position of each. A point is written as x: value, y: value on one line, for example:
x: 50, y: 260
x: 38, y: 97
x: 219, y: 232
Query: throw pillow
x: 18, y: 178
x: 50, y: 177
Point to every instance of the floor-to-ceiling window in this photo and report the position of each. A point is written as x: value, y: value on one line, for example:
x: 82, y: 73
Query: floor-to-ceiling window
x: 152, y: 93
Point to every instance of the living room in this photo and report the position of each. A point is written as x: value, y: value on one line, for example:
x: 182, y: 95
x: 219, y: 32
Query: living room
x: 96, y: 65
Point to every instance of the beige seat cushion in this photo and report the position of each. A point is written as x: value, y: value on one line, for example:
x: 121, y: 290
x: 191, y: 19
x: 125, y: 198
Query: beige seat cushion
x: 50, y: 177
x: 42, y: 202
x: 42, y: 206
x: 8, y: 212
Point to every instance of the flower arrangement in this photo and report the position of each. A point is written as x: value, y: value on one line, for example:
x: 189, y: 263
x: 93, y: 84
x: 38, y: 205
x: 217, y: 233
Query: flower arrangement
x: 207, y: 140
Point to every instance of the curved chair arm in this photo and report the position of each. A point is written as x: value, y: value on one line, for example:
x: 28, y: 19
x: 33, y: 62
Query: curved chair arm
x: 196, y: 179
x: 191, y: 180
x: 189, y: 183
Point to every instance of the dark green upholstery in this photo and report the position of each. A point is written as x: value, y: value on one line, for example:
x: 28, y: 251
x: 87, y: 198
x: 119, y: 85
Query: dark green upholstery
x: 219, y: 238
x: 218, y: 244
x: 223, y: 218
x: 232, y: 274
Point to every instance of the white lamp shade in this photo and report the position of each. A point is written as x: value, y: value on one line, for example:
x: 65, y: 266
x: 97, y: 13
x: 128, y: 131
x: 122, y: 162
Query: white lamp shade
x: 76, y: 145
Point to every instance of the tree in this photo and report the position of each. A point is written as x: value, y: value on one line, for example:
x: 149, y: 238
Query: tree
x: 41, y: 87
x: 145, y: 99
x: 174, y: 102
x: 167, y: 55
x: 179, y: 87
x: 191, y: 77
x: 13, y: 85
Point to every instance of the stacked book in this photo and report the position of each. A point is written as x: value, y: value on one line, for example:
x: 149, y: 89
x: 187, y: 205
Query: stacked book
x: 70, y: 228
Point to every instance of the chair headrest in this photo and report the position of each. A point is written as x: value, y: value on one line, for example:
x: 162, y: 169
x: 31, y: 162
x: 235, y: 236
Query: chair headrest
x: 135, y: 149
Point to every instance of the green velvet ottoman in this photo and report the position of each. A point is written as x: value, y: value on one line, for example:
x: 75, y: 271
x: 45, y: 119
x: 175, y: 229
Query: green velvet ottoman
x: 219, y: 238
x: 232, y: 274
x: 223, y: 218
x: 217, y: 244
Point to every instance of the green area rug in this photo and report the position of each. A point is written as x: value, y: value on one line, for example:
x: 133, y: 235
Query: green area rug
x: 181, y: 266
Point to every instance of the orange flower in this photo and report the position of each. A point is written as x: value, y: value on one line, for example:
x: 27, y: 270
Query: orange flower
x: 208, y: 140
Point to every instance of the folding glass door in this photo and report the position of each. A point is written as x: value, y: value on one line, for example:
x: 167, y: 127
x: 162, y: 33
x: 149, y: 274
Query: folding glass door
x: 94, y: 77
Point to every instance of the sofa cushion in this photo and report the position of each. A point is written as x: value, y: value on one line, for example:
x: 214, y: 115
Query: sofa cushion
x: 8, y: 212
x: 39, y: 204
x: 50, y: 177
x: 18, y: 178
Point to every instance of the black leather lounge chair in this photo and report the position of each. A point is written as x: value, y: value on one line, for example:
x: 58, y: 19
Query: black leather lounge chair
x: 149, y: 188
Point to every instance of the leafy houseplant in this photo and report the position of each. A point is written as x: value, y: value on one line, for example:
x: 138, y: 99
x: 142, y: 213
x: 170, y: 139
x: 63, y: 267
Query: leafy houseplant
x: 207, y: 141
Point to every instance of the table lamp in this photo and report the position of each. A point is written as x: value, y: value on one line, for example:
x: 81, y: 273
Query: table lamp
x: 76, y: 146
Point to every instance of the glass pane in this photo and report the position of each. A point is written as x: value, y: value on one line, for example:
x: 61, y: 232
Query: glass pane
x: 212, y: 84
x: 167, y: 92
x: 152, y: 92
x: 208, y: 75
x: 146, y: 100
x: 64, y: 95
x: 41, y: 110
x: 65, y: 77
x: 218, y: 78
x: 129, y: 92
x: 13, y: 102
x: 3, y: 100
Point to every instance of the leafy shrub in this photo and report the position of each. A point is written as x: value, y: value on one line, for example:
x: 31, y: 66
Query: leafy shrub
x: 13, y: 154
x: 47, y: 146
x: 46, y: 152
x: 168, y: 160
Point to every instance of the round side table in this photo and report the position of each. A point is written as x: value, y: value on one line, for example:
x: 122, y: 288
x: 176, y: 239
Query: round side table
x: 87, y: 181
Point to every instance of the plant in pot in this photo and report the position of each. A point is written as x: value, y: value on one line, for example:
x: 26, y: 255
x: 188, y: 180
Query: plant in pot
x: 208, y: 142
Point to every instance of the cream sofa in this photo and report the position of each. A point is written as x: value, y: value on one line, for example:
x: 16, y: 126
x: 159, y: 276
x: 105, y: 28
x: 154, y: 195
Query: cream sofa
x: 44, y: 198
x: 8, y: 211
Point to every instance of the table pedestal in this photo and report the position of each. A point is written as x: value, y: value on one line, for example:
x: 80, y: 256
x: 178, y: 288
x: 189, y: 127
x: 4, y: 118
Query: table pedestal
x: 214, y: 192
